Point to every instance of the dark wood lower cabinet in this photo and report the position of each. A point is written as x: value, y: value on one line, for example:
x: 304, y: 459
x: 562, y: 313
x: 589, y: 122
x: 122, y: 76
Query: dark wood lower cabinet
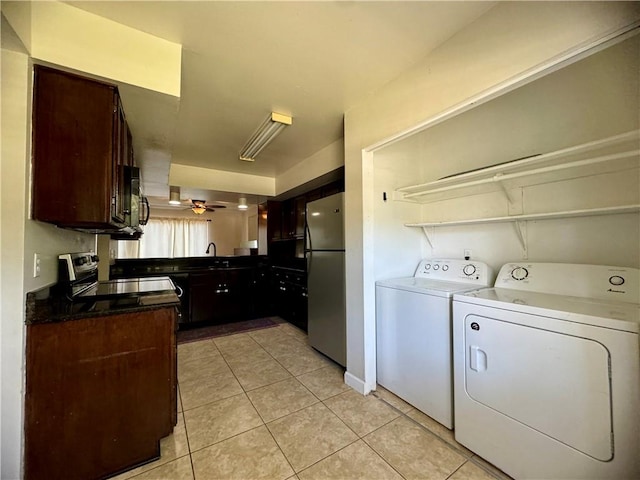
x: 289, y: 287
x: 226, y: 295
x: 100, y: 393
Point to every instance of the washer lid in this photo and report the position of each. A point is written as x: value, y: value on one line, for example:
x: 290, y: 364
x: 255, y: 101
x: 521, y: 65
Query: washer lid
x: 426, y: 286
x: 614, y: 315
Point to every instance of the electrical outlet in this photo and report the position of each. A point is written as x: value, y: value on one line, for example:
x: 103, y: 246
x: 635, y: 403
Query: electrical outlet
x: 467, y: 254
x: 36, y: 265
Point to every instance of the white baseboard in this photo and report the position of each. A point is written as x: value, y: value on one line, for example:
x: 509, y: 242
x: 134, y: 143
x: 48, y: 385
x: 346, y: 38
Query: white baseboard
x: 357, y: 384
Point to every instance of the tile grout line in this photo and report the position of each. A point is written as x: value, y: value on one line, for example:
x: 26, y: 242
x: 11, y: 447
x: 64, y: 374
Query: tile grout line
x: 281, y: 451
x: 360, y: 437
x: 415, y: 422
x: 330, y: 455
x: 228, y: 438
x: 245, y: 391
x: 319, y: 400
x: 459, y: 467
x: 231, y: 396
x: 186, y: 431
x: 456, y: 449
x: 286, y: 335
x: 480, y: 465
x: 289, y: 371
x: 261, y: 417
x: 322, y: 401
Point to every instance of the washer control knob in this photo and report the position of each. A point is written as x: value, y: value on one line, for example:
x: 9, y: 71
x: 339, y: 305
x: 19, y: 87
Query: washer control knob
x: 519, y: 273
x: 469, y: 269
x: 436, y: 267
x: 616, y: 280
x: 445, y: 268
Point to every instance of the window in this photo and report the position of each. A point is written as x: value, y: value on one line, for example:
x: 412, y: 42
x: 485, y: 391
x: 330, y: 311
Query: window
x: 168, y: 238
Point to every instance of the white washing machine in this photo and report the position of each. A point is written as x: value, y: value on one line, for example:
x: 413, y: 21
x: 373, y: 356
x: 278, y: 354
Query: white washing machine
x: 547, y: 371
x: 413, y: 332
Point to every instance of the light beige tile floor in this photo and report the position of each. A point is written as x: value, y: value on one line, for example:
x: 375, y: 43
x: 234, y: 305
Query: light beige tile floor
x: 265, y: 405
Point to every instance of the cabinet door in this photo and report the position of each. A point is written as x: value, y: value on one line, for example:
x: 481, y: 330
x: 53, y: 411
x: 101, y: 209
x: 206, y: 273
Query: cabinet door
x: 299, y: 206
x: 100, y: 393
x: 120, y: 160
x: 274, y: 220
x: 78, y: 145
x: 288, y: 219
x: 201, y: 290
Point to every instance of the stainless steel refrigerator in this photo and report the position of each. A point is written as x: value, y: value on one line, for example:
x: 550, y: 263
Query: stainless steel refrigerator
x: 325, y: 277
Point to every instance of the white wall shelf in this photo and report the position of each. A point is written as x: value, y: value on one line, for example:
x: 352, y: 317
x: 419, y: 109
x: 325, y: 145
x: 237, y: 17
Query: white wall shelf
x: 520, y: 221
x: 568, y: 162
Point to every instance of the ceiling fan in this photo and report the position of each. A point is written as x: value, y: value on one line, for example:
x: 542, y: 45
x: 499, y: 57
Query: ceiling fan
x: 200, y: 206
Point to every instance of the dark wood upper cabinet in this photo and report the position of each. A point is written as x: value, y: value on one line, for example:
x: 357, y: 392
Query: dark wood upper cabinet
x: 299, y: 216
x: 81, y: 144
x: 274, y: 220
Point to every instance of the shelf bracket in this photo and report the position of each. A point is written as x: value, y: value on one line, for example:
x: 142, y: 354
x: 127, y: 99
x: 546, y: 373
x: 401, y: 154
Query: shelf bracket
x: 429, y: 233
x: 498, y: 179
x: 521, y: 232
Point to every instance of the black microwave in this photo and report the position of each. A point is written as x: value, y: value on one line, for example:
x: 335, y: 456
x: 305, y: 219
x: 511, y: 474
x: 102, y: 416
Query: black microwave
x: 136, y: 207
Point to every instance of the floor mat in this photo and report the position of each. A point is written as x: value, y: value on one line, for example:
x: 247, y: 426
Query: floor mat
x: 195, y: 334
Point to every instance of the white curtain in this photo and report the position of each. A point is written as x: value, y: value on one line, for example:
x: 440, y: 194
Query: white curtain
x: 168, y: 238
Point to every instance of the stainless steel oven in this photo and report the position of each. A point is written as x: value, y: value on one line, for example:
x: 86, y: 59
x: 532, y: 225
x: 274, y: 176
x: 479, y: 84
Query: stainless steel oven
x: 78, y: 282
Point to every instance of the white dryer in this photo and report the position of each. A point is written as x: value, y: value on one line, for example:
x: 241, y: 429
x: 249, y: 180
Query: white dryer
x: 547, y: 371
x: 413, y: 332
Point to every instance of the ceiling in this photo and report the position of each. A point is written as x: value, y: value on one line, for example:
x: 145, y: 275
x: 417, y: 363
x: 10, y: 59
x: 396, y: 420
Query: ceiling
x: 242, y: 60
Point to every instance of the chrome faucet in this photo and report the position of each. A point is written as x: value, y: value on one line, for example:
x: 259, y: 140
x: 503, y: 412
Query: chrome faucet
x: 214, y: 249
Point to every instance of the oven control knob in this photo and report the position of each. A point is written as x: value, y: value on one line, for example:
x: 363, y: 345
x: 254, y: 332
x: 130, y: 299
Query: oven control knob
x: 445, y: 268
x: 80, y: 261
x: 427, y: 266
x: 616, y: 280
x: 519, y: 273
x: 436, y: 267
x: 469, y: 270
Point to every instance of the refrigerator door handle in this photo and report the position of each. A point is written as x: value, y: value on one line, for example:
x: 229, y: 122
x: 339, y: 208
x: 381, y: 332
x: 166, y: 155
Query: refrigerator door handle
x: 307, y: 232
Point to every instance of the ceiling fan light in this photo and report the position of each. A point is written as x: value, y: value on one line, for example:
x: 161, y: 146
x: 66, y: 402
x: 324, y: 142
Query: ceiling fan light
x: 198, y: 209
x: 242, y: 203
x: 265, y: 134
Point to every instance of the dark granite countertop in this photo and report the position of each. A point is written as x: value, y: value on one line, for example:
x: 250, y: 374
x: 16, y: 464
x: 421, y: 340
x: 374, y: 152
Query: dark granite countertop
x: 46, y: 306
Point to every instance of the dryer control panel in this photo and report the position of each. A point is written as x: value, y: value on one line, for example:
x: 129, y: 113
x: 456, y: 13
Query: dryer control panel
x: 455, y: 270
x: 576, y: 280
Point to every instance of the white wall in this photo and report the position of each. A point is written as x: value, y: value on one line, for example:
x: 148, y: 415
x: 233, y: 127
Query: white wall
x: 15, y: 71
x: 324, y: 161
x: 594, y: 98
x: 20, y: 238
x: 509, y: 40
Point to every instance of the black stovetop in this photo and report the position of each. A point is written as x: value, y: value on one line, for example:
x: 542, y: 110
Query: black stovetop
x: 125, y: 288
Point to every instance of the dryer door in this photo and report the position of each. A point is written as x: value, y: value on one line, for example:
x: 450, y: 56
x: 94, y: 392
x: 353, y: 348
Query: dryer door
x: 555, y: 383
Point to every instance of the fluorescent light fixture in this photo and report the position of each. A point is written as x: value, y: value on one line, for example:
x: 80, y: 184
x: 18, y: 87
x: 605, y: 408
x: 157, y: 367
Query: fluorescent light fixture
x: 174, y: 195
x: 242, y: 203
x: 269, y: 129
